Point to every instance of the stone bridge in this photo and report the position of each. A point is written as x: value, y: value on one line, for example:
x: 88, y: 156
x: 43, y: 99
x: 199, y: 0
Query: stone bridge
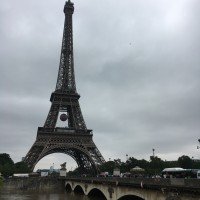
x: 136, y: 189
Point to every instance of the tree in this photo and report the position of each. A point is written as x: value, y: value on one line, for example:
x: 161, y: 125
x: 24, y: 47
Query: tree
x: 143, y: 164
x: 152, y: 167
x: 156, y: 165
x: 108, y: 167
x: 156, y: 162
x: 5, y: 158
x: 131, y: 162
x: 8, y: 170
x: 168, y: 164
x: 185, y: 162
x: 21, y: 167
x: 6, y: 165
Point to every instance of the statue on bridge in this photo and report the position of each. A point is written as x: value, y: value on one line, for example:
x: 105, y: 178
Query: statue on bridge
x: 63, y: 166
x: 63, y: 170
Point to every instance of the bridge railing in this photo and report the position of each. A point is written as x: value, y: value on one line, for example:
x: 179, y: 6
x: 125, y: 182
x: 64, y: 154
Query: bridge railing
x: 142, y: 182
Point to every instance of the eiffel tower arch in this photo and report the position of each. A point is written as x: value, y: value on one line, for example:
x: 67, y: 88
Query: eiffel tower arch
x: 74, y: 139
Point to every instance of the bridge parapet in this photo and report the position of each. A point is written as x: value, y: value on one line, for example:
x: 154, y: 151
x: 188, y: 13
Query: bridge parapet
x: 160, y: 182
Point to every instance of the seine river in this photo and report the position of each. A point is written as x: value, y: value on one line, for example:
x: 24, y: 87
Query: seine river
x: 30, y: 195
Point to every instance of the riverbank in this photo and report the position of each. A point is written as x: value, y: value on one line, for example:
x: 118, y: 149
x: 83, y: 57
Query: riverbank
x: 1, y: 182
x: 34, y: 183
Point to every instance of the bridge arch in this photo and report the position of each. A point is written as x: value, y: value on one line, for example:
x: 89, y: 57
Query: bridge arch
x: 134, y: 195
x: 79, y: 190
x: 90, y: 189
x: 68, y: 187
x: 97, y: 193
x: 130, y: 197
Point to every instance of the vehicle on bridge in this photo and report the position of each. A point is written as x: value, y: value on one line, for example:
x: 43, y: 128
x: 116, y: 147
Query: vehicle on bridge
x: 103, y: 174
x: 21, y: 175
x: 116, y: 172
x: 178, y: 172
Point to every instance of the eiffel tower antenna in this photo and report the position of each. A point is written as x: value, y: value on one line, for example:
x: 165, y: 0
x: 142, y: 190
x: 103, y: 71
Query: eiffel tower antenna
x: 73, y: 138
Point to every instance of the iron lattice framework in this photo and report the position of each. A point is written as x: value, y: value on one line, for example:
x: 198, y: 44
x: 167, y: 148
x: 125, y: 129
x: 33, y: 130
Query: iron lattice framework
x: 74, y: 139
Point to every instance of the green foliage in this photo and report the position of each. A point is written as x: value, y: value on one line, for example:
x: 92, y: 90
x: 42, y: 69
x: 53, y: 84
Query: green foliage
x: 195, y: 165
x: 5, y: 159
x: 185, y: 162
x: 152, y: 167
x: 156, y: 165
x: 143, y: 163
x: 6, y: 165
x: 21, y: 167
x: 76, y: 172
x: 1, y: 182
x: 8, y: 168
x: 169, y: 164
x: 108, y: 167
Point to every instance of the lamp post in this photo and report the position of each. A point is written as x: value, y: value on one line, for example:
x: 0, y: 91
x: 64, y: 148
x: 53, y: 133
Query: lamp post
x: 198, y: 147
x: 154, y: 162
x: 153, y: 152
x: 126, y: 157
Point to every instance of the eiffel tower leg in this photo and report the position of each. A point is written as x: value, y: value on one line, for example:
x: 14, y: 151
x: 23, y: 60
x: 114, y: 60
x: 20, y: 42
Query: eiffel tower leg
x: 87, y: 164
x: 77, y: 114
x: 32, y: 156
x: 52, y: 116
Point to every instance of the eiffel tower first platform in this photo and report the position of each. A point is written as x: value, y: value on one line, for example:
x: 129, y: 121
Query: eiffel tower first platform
x: 74, y: 139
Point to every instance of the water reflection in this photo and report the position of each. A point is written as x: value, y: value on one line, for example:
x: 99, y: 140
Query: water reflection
x: 31, y: 195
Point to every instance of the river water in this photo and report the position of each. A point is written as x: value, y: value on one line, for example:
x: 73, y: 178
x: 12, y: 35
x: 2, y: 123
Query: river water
x: 31, y: 195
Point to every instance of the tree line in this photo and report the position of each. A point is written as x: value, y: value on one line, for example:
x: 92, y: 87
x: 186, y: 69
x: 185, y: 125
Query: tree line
x: 8, y: 167
x: 154, y: 166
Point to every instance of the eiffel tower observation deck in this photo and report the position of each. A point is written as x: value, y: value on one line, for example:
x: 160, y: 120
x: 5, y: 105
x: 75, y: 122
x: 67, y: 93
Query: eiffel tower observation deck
x: 73, y: 138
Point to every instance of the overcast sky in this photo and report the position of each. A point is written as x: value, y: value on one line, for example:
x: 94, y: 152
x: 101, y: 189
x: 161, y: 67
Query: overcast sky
x: 137, y: 68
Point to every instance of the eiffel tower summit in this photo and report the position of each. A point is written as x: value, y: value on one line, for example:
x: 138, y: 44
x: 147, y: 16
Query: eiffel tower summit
x: 73, y: 139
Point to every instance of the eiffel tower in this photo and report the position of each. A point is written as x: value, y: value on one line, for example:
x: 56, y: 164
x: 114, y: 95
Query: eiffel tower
x: 73, y: 139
